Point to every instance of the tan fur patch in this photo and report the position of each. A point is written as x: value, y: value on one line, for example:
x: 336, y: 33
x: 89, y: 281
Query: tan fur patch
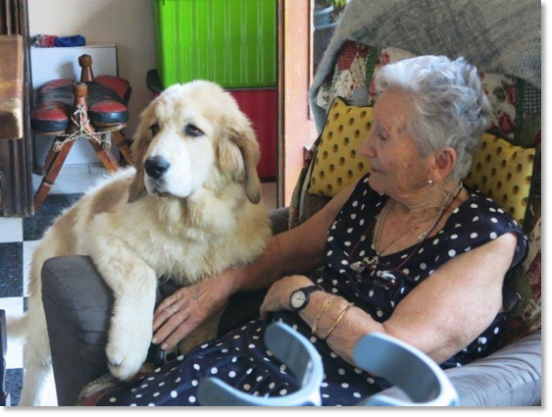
x: 107, y: 198
x: 139, y: 149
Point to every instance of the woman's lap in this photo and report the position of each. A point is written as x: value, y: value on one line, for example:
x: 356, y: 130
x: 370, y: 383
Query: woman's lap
x: 240, y: 359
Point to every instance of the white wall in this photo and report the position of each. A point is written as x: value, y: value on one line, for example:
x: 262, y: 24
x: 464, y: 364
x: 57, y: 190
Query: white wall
x: 126, y: 23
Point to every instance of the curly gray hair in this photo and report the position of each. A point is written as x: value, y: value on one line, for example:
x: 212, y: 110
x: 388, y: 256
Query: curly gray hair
x: 451, y: 107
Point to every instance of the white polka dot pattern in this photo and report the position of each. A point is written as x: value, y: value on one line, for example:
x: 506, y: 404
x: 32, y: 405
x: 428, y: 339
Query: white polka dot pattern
x: 241, y: 358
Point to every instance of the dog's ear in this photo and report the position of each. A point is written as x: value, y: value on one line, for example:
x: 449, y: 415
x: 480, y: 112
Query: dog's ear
x: 137, y: 187
x: 244, y: 139
x: 138, y: 149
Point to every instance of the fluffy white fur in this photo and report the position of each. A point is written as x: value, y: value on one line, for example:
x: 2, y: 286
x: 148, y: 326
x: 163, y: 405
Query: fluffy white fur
x: 199, y: 218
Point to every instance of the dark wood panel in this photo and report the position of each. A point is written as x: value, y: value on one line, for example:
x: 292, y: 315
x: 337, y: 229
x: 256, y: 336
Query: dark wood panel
x: 16, y: 188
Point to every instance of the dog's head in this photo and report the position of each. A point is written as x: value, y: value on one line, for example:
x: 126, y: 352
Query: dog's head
x: 191, y: 134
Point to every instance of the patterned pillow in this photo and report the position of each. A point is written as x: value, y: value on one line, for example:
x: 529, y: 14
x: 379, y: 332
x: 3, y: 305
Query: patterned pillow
x: 504, y: 172
x: 526, y: 281
x: 338, y: 163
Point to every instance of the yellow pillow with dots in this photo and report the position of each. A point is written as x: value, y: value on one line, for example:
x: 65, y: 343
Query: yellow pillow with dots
x: 338, y: 162
x: 504, y: 172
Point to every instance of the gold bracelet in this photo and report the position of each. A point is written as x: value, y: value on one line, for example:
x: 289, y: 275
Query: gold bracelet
x: 349, y: 305
x: 326, y: 305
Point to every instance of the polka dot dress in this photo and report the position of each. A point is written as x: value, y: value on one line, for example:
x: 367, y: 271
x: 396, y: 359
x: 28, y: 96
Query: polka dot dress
x: 241, y: 359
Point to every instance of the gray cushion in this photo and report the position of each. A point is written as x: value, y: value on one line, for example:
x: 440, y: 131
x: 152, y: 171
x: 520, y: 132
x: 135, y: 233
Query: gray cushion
x: 508, y: 377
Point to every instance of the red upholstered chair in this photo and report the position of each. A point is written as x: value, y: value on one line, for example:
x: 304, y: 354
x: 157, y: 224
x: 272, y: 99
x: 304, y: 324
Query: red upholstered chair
x: 94, y: 109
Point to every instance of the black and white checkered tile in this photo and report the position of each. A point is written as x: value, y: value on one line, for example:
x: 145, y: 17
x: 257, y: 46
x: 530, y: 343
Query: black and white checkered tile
x: 18, y: 239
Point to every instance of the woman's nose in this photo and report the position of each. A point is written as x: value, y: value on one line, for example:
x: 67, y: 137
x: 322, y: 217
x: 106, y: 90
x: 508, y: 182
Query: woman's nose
x: 366, y: 148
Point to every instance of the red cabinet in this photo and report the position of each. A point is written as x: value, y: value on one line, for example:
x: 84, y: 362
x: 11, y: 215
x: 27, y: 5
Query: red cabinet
x: 261, y: 106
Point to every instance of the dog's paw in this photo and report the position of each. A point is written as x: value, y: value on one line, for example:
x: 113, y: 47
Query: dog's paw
x: 127, y: 349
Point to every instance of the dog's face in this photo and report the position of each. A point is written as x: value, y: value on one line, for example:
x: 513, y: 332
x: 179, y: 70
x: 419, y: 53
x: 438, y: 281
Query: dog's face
x: 191, y: 134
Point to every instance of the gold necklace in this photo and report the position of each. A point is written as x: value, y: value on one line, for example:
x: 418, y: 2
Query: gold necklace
x: 389, y: 204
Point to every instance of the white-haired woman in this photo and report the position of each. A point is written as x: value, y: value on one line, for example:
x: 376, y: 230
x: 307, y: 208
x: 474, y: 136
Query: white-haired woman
x: 406, y: 251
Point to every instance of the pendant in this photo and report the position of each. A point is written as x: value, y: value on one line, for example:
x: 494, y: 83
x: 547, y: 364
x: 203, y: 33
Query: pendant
x: 360, y: 266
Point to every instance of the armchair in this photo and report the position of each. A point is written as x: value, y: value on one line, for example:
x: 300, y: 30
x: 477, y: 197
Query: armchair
x: 77, y: 329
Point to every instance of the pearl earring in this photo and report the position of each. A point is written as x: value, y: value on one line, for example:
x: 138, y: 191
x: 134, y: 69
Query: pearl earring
x: 430, y: 182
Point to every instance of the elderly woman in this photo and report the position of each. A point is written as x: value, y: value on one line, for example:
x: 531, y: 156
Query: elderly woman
x: 407, y: 251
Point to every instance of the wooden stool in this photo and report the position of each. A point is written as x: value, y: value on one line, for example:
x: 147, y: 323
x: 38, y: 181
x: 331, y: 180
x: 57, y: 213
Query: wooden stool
x: 95, y: 109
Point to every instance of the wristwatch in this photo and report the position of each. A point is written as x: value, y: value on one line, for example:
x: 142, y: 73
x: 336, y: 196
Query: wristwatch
x: 300, y: 298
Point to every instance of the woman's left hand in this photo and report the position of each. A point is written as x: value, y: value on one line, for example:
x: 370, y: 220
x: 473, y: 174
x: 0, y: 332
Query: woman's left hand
x: 277, y: 298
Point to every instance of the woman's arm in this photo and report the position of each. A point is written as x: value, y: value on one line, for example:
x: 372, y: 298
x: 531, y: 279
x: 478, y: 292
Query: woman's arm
x: 295, y: 251
x: 441, y: 316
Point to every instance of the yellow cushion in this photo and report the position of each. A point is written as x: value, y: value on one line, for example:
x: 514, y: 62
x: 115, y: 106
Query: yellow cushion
x: 503, y: 172
x: 338, y: 163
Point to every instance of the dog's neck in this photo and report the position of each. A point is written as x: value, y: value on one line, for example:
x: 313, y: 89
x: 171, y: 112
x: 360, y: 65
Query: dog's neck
x: 212, y: 211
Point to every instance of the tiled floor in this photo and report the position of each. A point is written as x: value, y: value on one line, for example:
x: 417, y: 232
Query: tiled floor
x: 19, y: 237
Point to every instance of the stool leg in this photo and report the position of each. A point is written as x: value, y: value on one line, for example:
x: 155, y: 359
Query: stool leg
x: 52, y: 153
x: 122, y: 144
x: 107, y: 158
x: 52, y: 173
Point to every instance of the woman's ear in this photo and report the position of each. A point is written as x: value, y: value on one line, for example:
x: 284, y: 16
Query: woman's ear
x: 444, y: 162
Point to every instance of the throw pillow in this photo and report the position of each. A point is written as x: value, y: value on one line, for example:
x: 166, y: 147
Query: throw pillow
x: 525, y: 318
x: 338, y: 163
x: 504, y: 172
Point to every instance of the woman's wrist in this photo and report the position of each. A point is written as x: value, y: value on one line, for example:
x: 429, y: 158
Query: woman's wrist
x: 324, y: 312
x: 232, y: 280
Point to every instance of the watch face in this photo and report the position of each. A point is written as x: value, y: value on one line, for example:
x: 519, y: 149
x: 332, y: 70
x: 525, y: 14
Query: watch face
x: 297, y: 299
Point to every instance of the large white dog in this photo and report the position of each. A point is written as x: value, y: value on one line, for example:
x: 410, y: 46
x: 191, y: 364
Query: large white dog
x: 188, y: 210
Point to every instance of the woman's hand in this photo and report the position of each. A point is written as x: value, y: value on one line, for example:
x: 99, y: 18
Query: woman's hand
x: 188, y: 308
x: 278, y: 295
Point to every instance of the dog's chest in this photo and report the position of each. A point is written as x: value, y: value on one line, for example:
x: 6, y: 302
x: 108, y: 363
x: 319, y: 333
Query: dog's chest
x: 188, y: 256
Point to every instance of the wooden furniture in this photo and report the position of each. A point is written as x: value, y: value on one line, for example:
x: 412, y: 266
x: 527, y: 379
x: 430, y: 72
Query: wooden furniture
x: 11, y: 87
x: 16, y: 187
x: 11, y: 91
x: 4, y: 397
x: 12, y: 98
x: 94, y: 109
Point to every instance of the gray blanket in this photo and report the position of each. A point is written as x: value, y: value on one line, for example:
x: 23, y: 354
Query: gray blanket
x: 499, y: 36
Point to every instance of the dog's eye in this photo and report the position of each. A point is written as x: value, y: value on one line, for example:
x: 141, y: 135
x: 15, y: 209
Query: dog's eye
x: 193, y: 131
x: 154, y: 128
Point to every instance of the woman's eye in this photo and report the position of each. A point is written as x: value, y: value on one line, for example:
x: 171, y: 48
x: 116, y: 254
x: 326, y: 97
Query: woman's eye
x: 193, y: 131
x: 154, y: 128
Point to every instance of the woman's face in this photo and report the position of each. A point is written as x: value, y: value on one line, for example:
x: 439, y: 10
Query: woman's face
x: 397, y: 168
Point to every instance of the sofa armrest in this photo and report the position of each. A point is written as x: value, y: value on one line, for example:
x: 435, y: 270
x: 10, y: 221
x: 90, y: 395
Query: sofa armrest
x: 509, y: 377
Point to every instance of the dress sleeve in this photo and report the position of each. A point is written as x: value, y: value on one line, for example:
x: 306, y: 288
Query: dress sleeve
x: 478, y: 222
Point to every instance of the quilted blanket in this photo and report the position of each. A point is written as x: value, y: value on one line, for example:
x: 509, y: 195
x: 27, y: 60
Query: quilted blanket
x: 499, y: 36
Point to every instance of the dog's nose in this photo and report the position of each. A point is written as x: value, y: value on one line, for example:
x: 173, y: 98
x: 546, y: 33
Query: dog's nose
x: 156, y: 166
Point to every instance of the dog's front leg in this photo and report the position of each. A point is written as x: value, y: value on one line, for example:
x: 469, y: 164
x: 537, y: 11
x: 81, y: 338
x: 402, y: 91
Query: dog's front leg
x: 133, y: 283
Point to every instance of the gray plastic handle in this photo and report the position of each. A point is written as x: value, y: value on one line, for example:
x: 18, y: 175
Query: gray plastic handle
x: 406, y: 367
x: 291, y: 348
